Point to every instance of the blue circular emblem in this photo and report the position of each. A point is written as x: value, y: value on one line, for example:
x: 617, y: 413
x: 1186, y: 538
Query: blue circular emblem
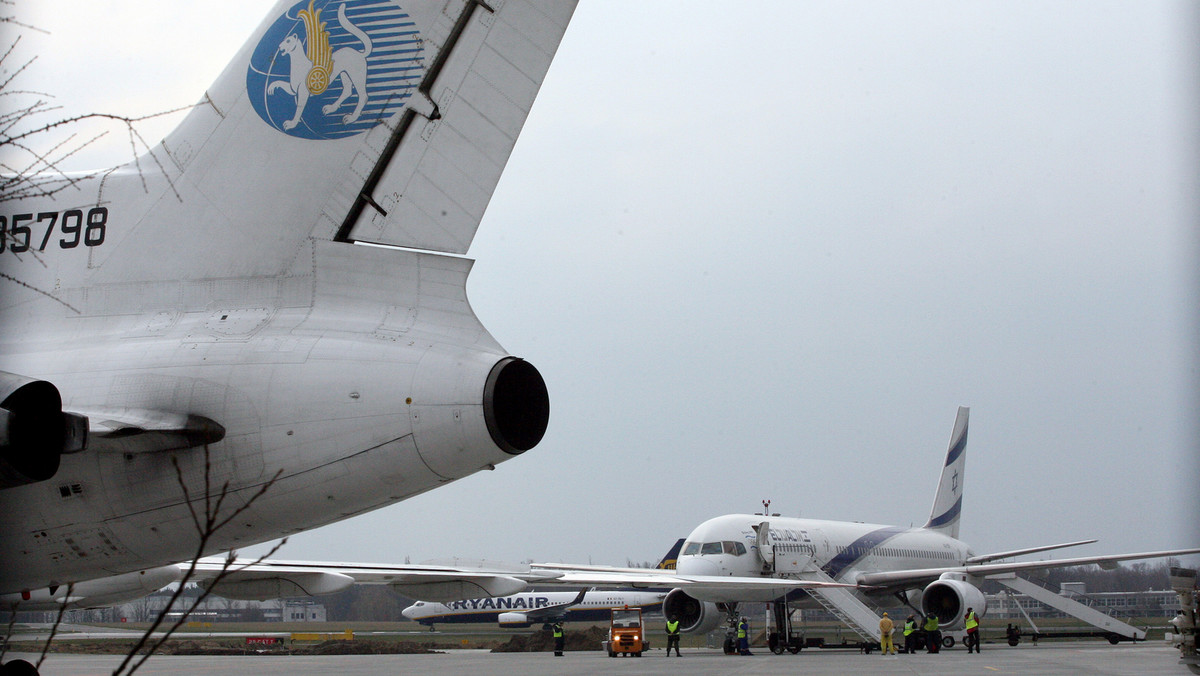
x: 329, y: 69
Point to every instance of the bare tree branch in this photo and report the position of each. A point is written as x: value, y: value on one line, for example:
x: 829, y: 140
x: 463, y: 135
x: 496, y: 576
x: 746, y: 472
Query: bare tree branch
x: 206, y: 527
x: 62, y: 609
x: 30, y: 171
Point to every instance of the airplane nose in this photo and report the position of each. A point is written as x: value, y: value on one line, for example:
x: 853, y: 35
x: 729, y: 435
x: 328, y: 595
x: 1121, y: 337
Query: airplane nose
x: 408, y: 612
x: 697, y: 565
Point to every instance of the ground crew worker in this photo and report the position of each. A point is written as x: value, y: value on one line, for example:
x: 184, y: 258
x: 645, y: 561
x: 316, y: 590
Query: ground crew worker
x: 885, y: 635
x: 743, y: 636
x: 933, y: 637
x: 910, y: 635
x: 673, y: 635
x: 971, y: 623
x: 559, y: 638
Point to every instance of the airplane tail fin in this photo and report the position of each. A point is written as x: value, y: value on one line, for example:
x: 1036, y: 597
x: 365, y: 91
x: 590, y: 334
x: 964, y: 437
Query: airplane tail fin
x: 947, y: 504
x: 342, y: 120
x: 671, y: 557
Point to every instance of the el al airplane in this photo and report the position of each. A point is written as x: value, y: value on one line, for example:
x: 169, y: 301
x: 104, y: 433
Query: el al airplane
x: 926, y: 567
x: 207, y: 309
x: 527, y: 608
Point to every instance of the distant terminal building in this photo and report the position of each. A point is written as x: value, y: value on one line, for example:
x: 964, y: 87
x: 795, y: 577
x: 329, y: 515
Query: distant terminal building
x: 296, y: 611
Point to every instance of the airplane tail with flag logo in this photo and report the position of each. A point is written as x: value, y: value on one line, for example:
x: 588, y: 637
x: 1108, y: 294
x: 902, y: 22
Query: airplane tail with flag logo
x: 947, y: 504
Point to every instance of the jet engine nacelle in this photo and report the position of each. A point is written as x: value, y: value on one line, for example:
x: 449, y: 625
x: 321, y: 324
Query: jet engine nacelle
x: 98, y: 593
x: 250, y: 586
x: 514, y: 620
x: 695, y: 617
x: 34, y: 431
x: 949, y: 598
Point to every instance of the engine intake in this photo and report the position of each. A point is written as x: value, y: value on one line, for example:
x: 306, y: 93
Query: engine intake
x: 949, y: 598
x: 34, y: 431
x: 694, y: 616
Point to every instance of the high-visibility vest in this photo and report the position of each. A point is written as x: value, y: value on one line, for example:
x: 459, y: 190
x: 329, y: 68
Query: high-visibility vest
x: 909, y: 627
x: 971, y: 622
x: 558, y: 631
x: 673, y: 627
x: 742, y: 630
x: 931, y: 623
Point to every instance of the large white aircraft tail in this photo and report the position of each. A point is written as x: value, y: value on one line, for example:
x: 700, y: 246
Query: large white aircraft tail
x: 947, y: 503
x: 339, y: 120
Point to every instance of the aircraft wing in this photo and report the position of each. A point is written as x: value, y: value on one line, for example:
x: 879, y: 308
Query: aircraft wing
x: 653, y: 578
x: 554, y: 610
x: 270, y: 579
x: 916, y: 576
x: 455, y: 580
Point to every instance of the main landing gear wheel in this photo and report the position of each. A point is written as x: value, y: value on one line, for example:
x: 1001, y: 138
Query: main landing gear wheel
x: 947, y: 641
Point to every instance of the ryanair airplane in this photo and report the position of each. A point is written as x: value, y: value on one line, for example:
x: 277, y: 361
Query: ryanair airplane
x: 527, y: 608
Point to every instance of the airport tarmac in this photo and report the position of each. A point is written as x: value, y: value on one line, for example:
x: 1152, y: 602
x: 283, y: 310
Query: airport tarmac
x: 1091, y: 657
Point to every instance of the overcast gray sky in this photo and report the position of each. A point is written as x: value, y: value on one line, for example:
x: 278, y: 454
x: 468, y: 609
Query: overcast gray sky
x: 763, y: 250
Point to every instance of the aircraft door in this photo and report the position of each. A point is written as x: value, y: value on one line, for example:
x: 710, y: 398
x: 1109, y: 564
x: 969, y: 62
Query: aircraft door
x: 794, y: 549
x: 764, y: 546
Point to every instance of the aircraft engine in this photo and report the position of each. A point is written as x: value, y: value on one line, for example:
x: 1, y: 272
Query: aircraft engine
x: 250, y: 586
x: 34, y: 431
x: 695, y: 617
x: 515, y: 620
x: 98, y: 593
x: 949, y: 598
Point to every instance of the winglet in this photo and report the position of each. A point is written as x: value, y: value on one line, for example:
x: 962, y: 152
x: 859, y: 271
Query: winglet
x: 947, y: 503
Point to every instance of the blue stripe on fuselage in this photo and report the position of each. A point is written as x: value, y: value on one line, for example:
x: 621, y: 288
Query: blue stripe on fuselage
x: 861, y: 547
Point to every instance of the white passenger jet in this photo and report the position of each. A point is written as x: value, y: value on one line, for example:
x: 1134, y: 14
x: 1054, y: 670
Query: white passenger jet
x: 204, y: 317
x: 927, y: 568
x: 528, y: 608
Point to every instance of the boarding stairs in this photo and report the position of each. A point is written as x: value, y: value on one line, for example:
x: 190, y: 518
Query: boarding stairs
x: 842, y: 603
x: 1070, y: 607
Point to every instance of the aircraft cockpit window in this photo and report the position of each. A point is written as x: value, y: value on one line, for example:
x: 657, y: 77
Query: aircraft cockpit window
x: 691, y: 548
x: 735, y: 548
x: 711, y: 548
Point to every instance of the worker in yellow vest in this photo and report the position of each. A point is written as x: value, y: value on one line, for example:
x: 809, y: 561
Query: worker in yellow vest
x: 559, y: 638
x: 971, y: 623
x: 933, y: 636
x: 910, y: 635
x: 673, y: 635
x: 743, y: 636
x: 885, y: 635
